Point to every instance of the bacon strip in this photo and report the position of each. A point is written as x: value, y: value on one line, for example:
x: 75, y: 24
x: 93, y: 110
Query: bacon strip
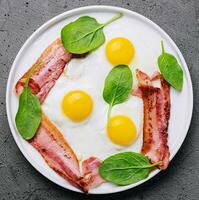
x: 90, y: 168
x: 48, y: 141
x: 50, y: 64
x: 156, y: 118
x: 51, y: 144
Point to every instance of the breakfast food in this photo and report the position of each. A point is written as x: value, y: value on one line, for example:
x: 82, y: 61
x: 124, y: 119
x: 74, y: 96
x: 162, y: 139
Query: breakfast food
x: 51, y: 144
x: 77, y: 105
x: 121, y: 130
x: 48, y: 140
x: 79, y: 116
x: 120, y: 51
x: 156, y: 117
x: 50, y: 66
x: 79, y: 77
x: 56, y: 152
x: 90, y: 168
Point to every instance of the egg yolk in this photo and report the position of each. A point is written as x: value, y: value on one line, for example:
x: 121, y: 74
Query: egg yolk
x: 121, y: 130
x: 77, y: 105
x: 120, y: 51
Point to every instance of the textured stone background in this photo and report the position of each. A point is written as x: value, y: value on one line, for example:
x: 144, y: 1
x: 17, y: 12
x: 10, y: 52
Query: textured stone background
x: 19, y: 19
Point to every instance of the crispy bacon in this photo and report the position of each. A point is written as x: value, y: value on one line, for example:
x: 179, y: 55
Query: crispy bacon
x: 90, y: 169
x: 50, y: 64
x: 156, y: 117
x: 48, y: 140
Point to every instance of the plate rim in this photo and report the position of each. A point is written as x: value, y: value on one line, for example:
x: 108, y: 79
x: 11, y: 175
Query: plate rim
x: 66, y: 14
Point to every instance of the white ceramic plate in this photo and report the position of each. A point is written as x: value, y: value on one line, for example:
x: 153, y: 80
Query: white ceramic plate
x: 146, y: 31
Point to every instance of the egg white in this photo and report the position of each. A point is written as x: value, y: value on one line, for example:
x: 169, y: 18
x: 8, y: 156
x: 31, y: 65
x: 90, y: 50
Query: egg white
x: 89, y: 138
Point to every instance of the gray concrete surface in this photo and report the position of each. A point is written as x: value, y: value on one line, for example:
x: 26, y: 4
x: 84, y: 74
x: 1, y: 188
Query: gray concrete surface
x: 19, y: 19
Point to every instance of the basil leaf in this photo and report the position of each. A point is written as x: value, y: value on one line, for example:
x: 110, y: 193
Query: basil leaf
x: 84, y: 35
x: 118, y: 85
x: 29, y: 112
x: 126, y: 168
x: 170, y: 69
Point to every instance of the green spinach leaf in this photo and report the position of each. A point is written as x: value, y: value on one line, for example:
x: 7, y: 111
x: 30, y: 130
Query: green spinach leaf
x: 84, y: 35
x: 170, y: 69
x: 29, y: 112
x: 126, y: 168
x: 118, y: 85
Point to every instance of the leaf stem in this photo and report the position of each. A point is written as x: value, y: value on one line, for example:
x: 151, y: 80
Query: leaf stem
x: 138, y: 167
x: 30, y: 74
x: 117, y: 16
x: 109, y: 113
x: 162, y: 45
